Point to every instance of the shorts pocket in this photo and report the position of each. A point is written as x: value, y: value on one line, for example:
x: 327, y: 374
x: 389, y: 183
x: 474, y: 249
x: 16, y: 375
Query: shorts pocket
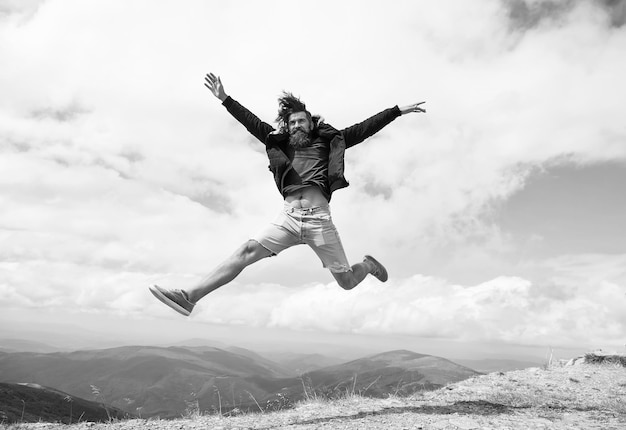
x: 280, y: 219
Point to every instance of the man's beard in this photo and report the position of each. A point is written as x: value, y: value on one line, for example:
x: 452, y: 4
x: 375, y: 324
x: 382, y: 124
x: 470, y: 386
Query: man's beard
x: 299, y: 139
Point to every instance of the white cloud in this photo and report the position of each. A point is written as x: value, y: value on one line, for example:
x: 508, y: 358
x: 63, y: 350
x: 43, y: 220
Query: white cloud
x: 505, y: 309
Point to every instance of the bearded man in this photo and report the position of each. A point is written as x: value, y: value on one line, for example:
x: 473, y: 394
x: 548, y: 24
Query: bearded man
x: 306, y: 157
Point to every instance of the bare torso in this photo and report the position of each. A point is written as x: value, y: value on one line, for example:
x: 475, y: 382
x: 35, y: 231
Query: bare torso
x: 306, y: 198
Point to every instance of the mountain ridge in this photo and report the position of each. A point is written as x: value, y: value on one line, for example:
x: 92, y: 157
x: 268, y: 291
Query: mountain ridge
x: 24, y: 402
x: 167, y: 381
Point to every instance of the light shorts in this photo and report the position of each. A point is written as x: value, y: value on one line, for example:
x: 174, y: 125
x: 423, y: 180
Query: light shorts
x: 312, y: 226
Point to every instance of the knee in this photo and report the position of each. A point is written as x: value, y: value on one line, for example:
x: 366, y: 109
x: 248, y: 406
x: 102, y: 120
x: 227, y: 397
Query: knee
x: 249, y: 251
x: 245, y: 250
x: 345, y: 280
x: 346, y: 285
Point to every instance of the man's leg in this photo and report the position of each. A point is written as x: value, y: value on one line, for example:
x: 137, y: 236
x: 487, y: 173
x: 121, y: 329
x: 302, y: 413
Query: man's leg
x: 247, y: 254
x: 323, y: 238
x: 183, y: 301
x: 349, y: 280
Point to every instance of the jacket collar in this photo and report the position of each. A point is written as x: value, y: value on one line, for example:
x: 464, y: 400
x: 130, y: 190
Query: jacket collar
x: 325, y: 131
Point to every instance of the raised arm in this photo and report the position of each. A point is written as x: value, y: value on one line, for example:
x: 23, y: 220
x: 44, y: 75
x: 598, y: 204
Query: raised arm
x: 253, y: 124
x: 359, y: 132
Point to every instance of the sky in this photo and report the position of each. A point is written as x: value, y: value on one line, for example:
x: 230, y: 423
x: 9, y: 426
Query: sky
x: 499, y: 213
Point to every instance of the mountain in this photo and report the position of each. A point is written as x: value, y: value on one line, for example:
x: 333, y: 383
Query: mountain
x: 33, y: 403
x: 198, y: 342
x: 279, y: 367
x: 147, y: 380
x: 61, y: 337
x: 174, y: 381
x: 302, y: 363
x: 396, y: 372
x: 19, y: 345
x: 497, y: 365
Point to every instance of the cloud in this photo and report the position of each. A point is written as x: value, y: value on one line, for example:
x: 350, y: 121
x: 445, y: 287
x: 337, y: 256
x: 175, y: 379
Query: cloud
x: 617, y: 11
x: 528, y: 14
x: 505, y: 309
x: 63, y: 114
x: 493, y: 119
x: 573, y: 311
x: 23, y: 9
x: 525, y: 15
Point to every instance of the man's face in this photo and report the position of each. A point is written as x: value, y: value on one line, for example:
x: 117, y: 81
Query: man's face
x: 299, y: 130
x: 299, y: 120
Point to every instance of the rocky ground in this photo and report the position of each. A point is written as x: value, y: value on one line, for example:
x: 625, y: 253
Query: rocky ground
x: 578, y: 395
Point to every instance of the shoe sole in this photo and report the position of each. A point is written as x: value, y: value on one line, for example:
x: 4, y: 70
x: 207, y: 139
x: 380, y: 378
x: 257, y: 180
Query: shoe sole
x: 165, y: 300
x: 383, y: 275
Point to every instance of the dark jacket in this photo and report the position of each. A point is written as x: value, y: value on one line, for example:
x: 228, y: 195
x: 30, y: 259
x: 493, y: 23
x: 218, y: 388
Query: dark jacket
x: 340, y: 140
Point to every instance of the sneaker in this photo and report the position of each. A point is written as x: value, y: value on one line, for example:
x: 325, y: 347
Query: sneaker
x: 175, y: 299
x: 379, y: 270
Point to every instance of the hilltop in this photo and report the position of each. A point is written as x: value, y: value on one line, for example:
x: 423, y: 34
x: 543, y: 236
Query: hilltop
x: 50, y: 405
x: 583, y: 393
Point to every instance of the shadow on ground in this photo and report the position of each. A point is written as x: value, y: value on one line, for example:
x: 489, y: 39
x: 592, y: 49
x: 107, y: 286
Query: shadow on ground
x: 479, y: 407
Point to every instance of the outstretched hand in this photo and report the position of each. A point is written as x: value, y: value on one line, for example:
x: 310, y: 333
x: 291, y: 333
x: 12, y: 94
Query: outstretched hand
x: 413, y: 108
x: 214, y: 83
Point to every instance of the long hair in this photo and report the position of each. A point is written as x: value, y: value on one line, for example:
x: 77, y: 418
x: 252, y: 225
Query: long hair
x: 288, y: 104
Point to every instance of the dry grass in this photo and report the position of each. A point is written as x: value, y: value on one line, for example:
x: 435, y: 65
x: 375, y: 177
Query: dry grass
x: 603, y: 358
x: 558, y: 388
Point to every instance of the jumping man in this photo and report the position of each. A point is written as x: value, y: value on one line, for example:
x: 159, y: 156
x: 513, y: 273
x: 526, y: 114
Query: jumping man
x: 306, y: 157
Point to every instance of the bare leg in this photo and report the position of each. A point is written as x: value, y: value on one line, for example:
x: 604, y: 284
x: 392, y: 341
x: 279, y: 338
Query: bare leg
x: 249, y: 253
x: 349, y: 280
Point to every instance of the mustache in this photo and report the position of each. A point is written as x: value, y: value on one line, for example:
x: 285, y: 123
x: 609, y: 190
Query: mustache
x: 297, y: 130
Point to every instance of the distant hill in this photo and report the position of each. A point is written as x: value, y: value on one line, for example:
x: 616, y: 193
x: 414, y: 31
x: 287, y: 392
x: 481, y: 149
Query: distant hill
x: 270, y: 364
x: 198, y: 342
x: 396, y: 372
x: 303, y: 363
x: 147, y: 380
x: 33, y: 403
x: 497, y: 365
x: 20, y: 345
x: 170, y: 382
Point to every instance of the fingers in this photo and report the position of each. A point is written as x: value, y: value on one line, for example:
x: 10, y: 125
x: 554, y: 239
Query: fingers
x: 212, y: 80
x: 214, y: 84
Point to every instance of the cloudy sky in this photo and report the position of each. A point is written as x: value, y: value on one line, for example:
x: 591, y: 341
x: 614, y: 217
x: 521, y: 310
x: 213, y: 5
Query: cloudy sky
x: 500, y: 213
